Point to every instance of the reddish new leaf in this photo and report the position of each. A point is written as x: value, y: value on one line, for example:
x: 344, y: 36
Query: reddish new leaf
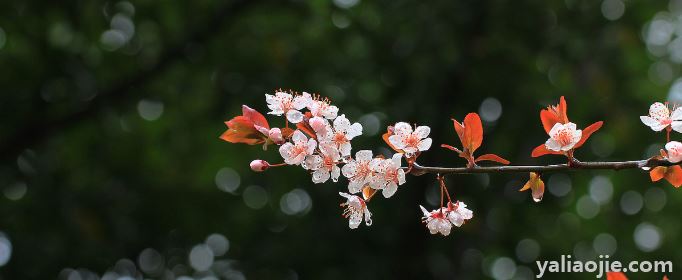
x: 672, y: 174
x: 451, y: 148
x: 536, y: 185
x: 492, y: 157
x: 471, y: 132
x: 241, y: 130
x: 587, y: 132
x: 553, y: 115
x: 255, y: 117
x: 542, y: 150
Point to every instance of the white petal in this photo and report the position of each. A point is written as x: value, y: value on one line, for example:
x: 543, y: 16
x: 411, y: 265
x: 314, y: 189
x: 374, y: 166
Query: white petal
x: 552, y: 145
x: 312, y: 162
x: 659, y: 111
x: 355, y: 186
x: 294, y: 116
x: 368, y: 217
x: 363, y: 155
x: 650, y: 122
x: 677, y: 114
x: 390, y: 189
x: 331, y: 112
x: 570, y: 126
x: 424, y: 144
x: 298, y: 136
x: 555, y: 129
x: 401, y: 177
x: 353, y: 131
x: 676, y: 126
x: 422, y: 131
x: 345, y: 149
x: 396, y: 160
x: 341, y: 124
x: 402, y: 128
x: 347, y: 196
x: 285, y: 150
x: 397, y: 141
x: 336, y: 172
x: 311, y: 145
x: 426, y: 213
x: 320, y: 176
x: 350, y: 169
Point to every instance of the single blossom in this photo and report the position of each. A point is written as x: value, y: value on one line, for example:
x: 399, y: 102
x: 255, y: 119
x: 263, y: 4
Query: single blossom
x: 410, y: 141
x: 436, y: 221
x: 342, y: 133
x: 563, y: 137
x: 674, y: 151
x: 389, y: 175
x: 275, y: 134
x: 283, y: 103
x: 324, y: 165
x: 355, y: 210
x: 322, y: 108
x: 295, y: 152
x: 458, y: 213
x: 660, y: 118
x: 358, y: 171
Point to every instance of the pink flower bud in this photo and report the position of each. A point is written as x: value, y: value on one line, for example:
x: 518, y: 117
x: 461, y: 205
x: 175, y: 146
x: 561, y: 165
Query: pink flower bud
x: 319, y: 125
x: 259, y: 165
x: 275, y: 135
x: 674, y: 149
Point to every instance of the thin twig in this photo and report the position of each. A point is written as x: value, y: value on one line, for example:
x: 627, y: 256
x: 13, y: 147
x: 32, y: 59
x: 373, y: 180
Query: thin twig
x: 644, y: 164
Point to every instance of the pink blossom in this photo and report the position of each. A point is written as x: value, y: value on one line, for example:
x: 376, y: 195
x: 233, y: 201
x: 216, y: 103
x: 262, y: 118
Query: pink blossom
x: 660, y: 118
x: 324, y: 165
x: 410, y: 141
x: 296, y: 151
x: 389, y: 174
x: 436, y: 221
x: 283, y: 103
x: 563, y: 137
x: 358, y: 171
x: 674, y: 150
x: 355, y: 210
x: 259, y: 165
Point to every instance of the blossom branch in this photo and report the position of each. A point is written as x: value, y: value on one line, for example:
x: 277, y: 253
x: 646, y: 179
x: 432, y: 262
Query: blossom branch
x: 644, y: 164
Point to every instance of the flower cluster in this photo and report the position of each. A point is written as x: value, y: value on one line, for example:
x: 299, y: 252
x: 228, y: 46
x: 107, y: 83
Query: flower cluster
x: 661, y: 118
x: 441, y: 220
x: 321, y: 144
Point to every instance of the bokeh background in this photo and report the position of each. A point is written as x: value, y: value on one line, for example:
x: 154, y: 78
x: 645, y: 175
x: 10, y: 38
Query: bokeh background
x: 111, y: 111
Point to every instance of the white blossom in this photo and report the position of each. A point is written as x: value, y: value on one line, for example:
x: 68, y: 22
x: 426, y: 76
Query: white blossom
x: 563, y: 137
x: 355, y: 210
x: 295, y: 152
x: 410, y: 141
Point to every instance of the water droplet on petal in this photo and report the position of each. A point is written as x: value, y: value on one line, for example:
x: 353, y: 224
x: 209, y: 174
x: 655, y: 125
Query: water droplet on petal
x: 646, y: 168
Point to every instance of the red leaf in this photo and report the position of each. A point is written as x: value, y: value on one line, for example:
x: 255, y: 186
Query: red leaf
x: 451, y: 148
x: 473, y: 132
x: 553, y: 115
x: 492, y: 157
x: 241, y: 130
x: 542, y: 150
x: 255, y: 117
x: 615, y: 276
x: 587, y: 132
x: 305, y: 127
x: 657, y: 173
x: 674, y: 176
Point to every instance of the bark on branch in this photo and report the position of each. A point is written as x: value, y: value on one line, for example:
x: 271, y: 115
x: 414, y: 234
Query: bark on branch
x: 644, y: 164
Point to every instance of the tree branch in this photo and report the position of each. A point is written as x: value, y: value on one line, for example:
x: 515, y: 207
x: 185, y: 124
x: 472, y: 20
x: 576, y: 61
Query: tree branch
x: 644, y: 164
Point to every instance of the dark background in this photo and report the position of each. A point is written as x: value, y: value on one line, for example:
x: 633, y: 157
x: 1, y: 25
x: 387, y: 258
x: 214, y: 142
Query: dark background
x: 111, y: 113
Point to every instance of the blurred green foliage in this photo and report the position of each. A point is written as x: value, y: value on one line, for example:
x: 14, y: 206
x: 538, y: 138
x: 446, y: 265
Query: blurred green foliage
x: 112, y: 111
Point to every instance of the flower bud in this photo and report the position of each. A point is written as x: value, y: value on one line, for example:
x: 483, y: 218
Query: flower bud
x: 674, y: 150
x: 319, y: 125
x: 259, y: 165
x: 275, y: 135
